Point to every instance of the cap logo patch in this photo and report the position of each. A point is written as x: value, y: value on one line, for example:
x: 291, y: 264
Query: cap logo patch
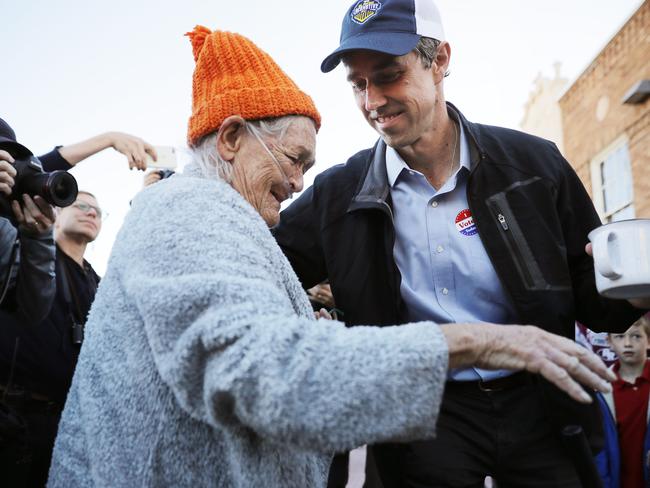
x: 364, y: 10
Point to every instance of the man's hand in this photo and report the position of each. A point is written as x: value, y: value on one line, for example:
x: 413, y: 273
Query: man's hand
x: 7, y: 173
x: 134, y: 148
x: 35, y: 217
x: 558, y: 359
x: 322, y: 293
x: 151, y: 178
x: 642, y: 303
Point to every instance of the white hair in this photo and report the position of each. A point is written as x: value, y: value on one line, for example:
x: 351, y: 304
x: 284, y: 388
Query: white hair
x: 213, y: 166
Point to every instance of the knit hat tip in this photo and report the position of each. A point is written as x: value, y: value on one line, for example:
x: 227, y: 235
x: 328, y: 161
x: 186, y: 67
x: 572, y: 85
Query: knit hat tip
x: 197, y: 38
x: 233, y: 76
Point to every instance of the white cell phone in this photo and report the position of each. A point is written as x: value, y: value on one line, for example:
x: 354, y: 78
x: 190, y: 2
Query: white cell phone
x: 166, y: 158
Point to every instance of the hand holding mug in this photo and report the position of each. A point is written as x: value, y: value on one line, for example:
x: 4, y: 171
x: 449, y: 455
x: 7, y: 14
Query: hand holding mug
x: 621, y: 252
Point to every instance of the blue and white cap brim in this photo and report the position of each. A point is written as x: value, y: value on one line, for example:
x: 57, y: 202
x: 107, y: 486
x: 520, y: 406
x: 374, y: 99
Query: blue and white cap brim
x: 393, y: 43
x: 392, y: 27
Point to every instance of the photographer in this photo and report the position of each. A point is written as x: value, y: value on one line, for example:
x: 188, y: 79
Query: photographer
x: 37, y: 362
x: 26, y: 245
x: 39, y: 372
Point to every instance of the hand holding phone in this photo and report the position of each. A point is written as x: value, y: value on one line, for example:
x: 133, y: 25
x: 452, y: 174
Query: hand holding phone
x: 166, y: 158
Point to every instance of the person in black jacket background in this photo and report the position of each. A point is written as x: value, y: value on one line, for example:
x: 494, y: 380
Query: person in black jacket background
x: 26, y: 243
x: 452, y: 221
x: 38, y: 357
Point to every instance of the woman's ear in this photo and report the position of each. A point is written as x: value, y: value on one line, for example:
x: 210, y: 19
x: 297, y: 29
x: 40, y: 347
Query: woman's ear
x: 229, y: 137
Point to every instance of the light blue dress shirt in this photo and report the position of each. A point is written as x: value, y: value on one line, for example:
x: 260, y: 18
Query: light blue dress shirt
x: 447, y: 275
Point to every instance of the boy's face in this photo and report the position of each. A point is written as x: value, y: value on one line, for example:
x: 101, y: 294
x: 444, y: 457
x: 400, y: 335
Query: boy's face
x: 630, y: 347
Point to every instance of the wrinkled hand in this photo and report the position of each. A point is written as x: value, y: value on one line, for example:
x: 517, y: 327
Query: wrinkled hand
x: 323, y: 314
x: 560, y: 360
x: 7, y: 173
x: 134, y: 148
x: 151, y: 178
x: 34, y: 217
x: 322, y: 293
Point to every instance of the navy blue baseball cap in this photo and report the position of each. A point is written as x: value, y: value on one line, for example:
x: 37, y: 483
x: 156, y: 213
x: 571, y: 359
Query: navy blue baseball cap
x: 8, y: 141
x: 388, y: 26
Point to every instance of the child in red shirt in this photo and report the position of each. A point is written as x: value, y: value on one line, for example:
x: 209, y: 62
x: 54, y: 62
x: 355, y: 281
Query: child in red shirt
x: 624, y: 461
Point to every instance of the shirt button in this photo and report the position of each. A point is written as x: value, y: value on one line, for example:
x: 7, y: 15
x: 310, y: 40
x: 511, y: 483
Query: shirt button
x: 440, y: 249
x: 445, y: 291
x: 434, y: 204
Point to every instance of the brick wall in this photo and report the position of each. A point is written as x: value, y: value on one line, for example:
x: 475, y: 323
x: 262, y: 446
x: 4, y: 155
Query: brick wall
x: 593, y: 115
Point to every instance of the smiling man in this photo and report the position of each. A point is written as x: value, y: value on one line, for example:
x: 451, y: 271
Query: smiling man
x: 452, y: 221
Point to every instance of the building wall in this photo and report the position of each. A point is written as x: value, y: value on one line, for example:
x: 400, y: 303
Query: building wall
x: 542, y: 115
x: 594, y: 117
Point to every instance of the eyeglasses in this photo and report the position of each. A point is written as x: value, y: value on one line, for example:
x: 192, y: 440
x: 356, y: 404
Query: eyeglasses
x: 266, y: 148
x: 291, y: 161
x: 85, y: 208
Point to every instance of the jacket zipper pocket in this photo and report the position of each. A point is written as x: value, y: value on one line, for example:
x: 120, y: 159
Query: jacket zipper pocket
x: 514, y: 248
x: 502, y: 221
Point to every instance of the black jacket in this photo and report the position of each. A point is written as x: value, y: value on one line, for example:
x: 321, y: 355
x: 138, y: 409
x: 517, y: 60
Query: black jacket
x: 531, y: 210
x: 532, y: 214
x: 27, y: 283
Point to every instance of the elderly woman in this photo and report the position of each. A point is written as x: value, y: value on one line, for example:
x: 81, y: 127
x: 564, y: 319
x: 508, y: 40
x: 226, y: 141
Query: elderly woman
x: 203, y: 364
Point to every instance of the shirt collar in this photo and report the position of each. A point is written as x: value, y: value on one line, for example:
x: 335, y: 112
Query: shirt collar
x: 395, y: 164
x: 620, y: 382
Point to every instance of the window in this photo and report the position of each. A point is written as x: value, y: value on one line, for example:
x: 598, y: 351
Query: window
x: 611, y: 178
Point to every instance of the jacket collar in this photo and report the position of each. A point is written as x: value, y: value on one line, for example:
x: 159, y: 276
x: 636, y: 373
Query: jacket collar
x: 374, y: 190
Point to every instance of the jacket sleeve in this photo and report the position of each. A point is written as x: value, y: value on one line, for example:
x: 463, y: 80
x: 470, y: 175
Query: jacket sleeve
x: 29, y: 278
x: 8, y: 234
x: 53, y: 161
x: 36, y: 280
x: 602, y: 464
x: 578, y: 218
x: 298, y: 234
x: 606, y: 460
x: 226, y: 340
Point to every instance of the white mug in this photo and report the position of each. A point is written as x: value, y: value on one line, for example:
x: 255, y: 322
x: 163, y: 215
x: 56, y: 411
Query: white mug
x: 622, y: 258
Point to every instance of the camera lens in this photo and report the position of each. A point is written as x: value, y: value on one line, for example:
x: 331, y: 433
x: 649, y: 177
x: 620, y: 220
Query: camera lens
x: 57, y: 188
x: 60, y: 189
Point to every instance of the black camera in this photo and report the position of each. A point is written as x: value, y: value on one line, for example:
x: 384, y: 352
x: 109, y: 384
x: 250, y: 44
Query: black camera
x: 58, y: 188
x: 77, y: 333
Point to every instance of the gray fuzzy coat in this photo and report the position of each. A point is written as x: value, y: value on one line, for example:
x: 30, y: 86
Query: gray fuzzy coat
x: 204, y: 367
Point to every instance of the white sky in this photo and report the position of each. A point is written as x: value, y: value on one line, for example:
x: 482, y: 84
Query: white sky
x: 73, y: 69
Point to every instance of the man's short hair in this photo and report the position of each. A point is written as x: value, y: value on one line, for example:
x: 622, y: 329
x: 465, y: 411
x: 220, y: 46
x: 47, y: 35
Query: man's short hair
x: 84, y: 192
x: 426, y: 50
x: 644, y: 322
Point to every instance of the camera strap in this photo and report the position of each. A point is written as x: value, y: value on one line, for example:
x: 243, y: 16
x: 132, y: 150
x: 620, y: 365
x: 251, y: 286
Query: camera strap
x: 66, y: 288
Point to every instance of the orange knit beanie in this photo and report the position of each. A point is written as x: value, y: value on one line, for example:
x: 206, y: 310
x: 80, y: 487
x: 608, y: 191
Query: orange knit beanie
x: 235, y: 77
